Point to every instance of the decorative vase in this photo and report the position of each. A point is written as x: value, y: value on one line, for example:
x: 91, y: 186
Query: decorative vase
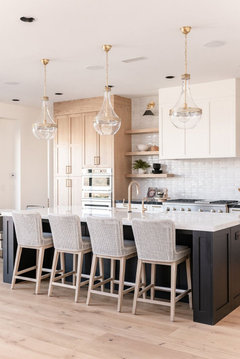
x: 141, y: 171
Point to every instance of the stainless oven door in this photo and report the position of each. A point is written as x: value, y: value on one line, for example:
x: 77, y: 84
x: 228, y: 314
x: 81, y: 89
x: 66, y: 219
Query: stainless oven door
x: 97, y: 183
x: 92, y: 203
x: 97, y: 195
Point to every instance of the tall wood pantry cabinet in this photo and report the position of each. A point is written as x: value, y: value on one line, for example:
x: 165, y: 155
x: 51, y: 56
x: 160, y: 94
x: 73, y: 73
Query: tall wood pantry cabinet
x: 77, y: 145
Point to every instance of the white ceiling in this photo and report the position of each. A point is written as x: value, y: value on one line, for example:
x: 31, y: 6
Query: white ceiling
x: 71, y: 32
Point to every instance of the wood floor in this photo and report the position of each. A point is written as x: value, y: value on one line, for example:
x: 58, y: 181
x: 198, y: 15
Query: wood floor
x: 37, y: 327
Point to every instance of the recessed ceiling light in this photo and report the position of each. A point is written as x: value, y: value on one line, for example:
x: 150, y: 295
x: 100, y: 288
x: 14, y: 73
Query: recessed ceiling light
x: 169, y: 77
x: 134, y: 59
x: 11, y: 83
x: 215, y: 43
x: 94, y: 67
x: 27, y: 19
x: 58, y: 93
x: 15, y: 100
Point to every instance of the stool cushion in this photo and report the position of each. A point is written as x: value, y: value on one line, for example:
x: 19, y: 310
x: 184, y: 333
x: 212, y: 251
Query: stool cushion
x: 129, y: 247
x: 47, y: 238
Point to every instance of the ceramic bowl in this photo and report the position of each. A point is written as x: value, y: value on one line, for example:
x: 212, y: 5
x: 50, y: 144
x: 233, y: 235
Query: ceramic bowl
x: 142, y: 147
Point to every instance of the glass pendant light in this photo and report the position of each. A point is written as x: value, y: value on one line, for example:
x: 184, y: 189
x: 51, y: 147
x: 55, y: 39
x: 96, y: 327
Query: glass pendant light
x: 46, y: 129
x: 107, y: 121
x: 185, y: 114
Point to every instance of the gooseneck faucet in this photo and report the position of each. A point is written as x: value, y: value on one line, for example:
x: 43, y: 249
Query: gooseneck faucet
x: 130, y: 193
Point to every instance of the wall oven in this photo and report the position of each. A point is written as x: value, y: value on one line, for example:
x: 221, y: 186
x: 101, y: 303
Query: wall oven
x: 97, y: 187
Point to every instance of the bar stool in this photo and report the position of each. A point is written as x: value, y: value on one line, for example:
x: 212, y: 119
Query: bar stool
x: 156, y: 244
x: 67, y: 238
x: 108, y: 243
x: 28, y: 227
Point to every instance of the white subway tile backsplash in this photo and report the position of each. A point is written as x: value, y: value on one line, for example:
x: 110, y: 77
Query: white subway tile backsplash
x: 197, y: 178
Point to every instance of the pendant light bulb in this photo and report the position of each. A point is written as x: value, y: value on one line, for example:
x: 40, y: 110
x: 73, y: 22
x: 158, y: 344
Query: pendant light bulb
x: 107, y: 121
x: 185, y: 114
x: 46, y: 129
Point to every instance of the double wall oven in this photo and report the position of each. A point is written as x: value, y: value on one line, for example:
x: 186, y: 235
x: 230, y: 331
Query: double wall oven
x: 97, y: 187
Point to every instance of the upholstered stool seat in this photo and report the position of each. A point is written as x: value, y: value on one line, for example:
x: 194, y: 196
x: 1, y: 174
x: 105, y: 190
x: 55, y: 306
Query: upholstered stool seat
x: 156, y: 244
x: 28, y: 226
x: 108, y: 243
x: 67, y: 238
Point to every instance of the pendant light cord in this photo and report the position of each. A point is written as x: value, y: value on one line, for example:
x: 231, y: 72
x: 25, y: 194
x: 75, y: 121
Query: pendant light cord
x: 44, y: 94
x: 185, y: 81
x: 186, y: 53
x: 107, y: 69
x: 45, y: 81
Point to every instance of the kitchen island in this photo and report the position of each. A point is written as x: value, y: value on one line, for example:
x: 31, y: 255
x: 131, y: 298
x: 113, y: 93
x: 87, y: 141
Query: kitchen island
x: 214, y: 239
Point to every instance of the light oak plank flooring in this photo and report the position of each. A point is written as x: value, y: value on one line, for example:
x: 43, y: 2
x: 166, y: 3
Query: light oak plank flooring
x: 37, y: 327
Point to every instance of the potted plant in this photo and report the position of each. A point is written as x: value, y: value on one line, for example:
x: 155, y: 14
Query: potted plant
x: 141, y: 166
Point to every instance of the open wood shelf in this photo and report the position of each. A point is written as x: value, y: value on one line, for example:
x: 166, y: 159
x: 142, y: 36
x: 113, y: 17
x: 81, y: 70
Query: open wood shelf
x: 142, y: 131
x: 150, y: 175
x: 142, y: 153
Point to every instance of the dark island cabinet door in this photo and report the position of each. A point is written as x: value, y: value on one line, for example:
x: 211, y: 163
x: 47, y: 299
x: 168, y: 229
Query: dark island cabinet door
x: 235, y: 267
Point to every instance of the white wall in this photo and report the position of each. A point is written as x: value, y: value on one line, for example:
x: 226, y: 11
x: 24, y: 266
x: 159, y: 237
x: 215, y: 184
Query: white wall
x: 197, y: 178
x: 32, y: 158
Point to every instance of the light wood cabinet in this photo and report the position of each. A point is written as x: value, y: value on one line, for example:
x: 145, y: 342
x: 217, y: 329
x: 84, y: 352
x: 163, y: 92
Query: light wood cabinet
x: 218, y: 132
x: 77, y: 146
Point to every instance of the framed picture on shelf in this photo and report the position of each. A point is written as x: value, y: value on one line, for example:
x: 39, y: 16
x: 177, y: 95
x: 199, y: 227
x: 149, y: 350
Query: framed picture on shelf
x: 152, y: 191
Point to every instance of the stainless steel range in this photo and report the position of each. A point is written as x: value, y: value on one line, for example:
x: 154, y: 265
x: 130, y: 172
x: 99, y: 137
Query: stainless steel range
x: 199, y: 205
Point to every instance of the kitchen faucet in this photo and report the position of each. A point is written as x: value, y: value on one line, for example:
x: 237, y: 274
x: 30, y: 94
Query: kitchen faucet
x: 130, y: 193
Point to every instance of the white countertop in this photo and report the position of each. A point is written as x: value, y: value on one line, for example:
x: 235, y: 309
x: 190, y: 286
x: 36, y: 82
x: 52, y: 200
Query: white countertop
x: 193, y: 221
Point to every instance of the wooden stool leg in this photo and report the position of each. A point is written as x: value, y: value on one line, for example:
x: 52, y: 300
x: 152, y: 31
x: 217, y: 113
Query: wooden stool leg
x: 113, y: 270
x: 137, y: 286
x: 144, y: 280
x: 53, y: 273
x: 79, y: 276
x: 39, y: 269
x: 92, y: 275
x: 121, y: 283
x: 153, y: 280
x: 173, y: 290
x: 74, y: 268
x: 16, y: 265
x: 189, y: 282
x: 62, y: 262
x: 101, y: 270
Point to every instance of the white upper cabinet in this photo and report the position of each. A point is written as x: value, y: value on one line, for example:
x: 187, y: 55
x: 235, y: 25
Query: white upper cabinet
x: 218, y: 132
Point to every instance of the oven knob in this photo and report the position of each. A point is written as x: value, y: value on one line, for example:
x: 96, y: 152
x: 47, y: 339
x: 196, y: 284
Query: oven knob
x: 189, y: 209
x: 200, y: 210
x: 174, y: 209
x: 182, y: 209
x: 220, y: 211
x: 213, y: 210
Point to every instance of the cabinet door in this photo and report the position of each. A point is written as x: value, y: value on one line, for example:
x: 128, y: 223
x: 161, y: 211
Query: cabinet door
x: 76, y: 191
x: 90, y: 145
x: 197, y: 139
x: 222, y: 128
x: 62, y: 147
x: 62, y: 191
x: 76, y: 145
x: 172, y: 139
x: 105, y: 148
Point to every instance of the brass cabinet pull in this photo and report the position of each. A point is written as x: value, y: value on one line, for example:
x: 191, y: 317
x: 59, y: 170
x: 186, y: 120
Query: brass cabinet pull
x: 68, y: 182
x: 68, y: 170
x: 96, y: 160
